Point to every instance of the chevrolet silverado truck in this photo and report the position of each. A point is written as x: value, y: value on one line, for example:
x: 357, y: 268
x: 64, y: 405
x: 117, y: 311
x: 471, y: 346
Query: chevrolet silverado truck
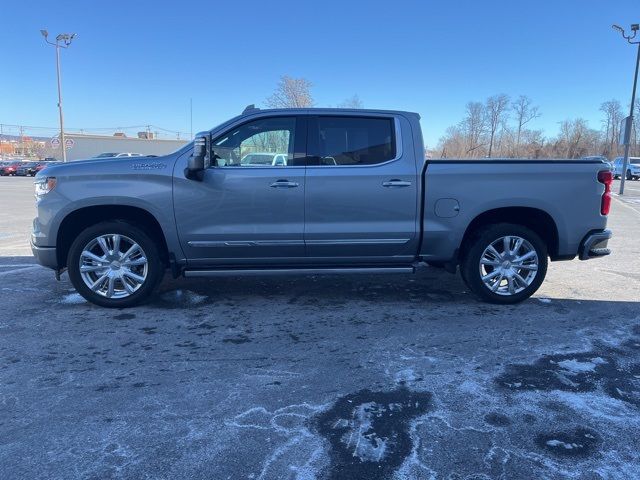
x: 355, y: 195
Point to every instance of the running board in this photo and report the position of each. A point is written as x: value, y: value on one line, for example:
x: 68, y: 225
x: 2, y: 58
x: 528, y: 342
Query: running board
x: 295, y: 271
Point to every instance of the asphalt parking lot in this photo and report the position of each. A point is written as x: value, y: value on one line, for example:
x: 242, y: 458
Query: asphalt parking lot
x: 321, y: 377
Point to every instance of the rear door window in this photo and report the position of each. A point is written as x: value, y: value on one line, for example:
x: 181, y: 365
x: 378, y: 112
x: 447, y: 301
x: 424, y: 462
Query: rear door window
x: 351, y: 141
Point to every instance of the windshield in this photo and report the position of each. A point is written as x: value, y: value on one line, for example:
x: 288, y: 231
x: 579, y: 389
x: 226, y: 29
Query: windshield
x: 635, y: 161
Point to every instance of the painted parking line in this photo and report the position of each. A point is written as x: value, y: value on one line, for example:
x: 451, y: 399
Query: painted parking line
x: 20, y: 269
x: 627, y: 204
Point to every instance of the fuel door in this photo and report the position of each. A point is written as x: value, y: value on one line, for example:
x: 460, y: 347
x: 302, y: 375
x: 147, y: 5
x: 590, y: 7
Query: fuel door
x: 447, y: 208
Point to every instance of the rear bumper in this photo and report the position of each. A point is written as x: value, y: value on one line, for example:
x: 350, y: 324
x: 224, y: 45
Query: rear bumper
x: 594, y: 244
x: 45, y: 256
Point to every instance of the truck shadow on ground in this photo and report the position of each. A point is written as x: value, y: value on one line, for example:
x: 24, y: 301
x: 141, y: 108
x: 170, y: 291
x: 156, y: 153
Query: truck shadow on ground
x: 430, y: 285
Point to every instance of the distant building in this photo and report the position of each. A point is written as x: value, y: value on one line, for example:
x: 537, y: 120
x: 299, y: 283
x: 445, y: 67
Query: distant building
x: 7, y: 147
x: 88, y: 146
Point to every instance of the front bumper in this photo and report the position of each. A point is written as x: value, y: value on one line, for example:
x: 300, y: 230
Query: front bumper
x: 45, y: 256
x: 594, y: 244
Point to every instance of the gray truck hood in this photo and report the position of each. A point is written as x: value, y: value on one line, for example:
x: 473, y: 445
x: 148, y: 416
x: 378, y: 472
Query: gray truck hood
x: 99, y: 166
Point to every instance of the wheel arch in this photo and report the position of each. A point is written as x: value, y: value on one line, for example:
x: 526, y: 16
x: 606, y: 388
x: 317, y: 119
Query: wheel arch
x: 82, y: 218
x: 534, y: 218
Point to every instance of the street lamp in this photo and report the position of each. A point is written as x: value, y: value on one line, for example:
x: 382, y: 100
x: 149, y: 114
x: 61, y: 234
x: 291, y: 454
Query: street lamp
x: 625, y: 164
x: 62, y: 41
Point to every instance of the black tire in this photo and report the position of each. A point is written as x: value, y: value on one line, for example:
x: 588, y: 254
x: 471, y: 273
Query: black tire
x: 155, y: 267
x: 474, y: 249
x: 629, y: 176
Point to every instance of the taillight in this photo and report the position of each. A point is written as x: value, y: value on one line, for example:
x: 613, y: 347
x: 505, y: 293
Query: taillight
x: 605, y: 177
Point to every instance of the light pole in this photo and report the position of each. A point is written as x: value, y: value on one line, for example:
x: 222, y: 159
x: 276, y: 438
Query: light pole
x: 625, y: 164
x: 63, y: 40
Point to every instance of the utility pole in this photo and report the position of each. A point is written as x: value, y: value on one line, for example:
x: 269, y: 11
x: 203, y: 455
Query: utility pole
x: 625, y: 164
x: 66, y: 40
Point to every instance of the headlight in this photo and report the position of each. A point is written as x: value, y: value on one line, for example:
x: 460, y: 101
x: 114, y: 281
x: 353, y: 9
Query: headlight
x: 44, y: 186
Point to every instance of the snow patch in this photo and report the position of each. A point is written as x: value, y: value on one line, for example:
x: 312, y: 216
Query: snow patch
x: 184, y: 297
x: 73, y: 299
x: 195, y: 298
x: 574, y: 367
x: 558, y: 443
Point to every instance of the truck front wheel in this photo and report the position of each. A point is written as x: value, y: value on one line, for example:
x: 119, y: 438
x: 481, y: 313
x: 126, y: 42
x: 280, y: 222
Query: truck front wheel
x: 114, y: 264
x: 504, y: 263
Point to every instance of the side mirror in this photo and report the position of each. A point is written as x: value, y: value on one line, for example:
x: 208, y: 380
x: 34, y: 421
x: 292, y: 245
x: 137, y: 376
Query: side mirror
x: 200, y: 159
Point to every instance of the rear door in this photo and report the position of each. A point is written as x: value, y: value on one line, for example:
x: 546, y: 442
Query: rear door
x: 361, y: 190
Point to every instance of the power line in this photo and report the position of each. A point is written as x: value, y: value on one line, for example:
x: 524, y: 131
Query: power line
x: 145, y: 127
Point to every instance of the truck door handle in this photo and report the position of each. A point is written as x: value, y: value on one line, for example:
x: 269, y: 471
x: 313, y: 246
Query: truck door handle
x: 284, y: 184
x: 396, y: 183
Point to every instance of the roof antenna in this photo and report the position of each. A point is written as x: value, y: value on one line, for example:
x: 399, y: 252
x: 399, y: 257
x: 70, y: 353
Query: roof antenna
x: 250, y: 108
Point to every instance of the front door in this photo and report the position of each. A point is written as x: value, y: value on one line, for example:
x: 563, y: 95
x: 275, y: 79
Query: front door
x: 361, y: 190
x: 249, y: 207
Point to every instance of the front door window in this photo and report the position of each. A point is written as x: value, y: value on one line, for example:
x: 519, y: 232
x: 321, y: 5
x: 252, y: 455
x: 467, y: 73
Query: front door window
x: 262, y: 143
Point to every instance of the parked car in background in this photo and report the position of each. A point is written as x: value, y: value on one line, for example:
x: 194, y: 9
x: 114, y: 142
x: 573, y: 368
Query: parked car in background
x: 118, y: 155
x: 262, y: 159
x: 9, y: 168
x: 27, y: 169
x: 43, y: 165
x: 633, y: 169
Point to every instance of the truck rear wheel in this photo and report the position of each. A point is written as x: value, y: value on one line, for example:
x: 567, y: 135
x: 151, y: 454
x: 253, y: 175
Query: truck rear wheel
x: 114, y: 264
x: 504, y: 263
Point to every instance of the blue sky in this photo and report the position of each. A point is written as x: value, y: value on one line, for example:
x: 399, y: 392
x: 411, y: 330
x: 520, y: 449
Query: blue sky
x: 137, y: 63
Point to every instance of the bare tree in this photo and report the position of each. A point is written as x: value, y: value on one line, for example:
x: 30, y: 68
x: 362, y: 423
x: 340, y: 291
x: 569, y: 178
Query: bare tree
x: 453, y: 144
x: 473, y: 127
x: 496, y: 111
x: 613, y: 115
x: 291, y: 93
x: 353, y: 102
x: 576, y: 139
x: 486, y: 129
x: 524, y: 113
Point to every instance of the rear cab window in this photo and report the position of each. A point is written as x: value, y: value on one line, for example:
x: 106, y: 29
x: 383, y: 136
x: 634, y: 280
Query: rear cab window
x: 351, y: 141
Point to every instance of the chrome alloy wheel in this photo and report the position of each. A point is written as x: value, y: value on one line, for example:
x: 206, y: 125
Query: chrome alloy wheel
x: 508, y: 265
x: 113, y: 266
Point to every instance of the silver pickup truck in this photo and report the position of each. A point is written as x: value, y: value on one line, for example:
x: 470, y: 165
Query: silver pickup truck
x: 353, y: 194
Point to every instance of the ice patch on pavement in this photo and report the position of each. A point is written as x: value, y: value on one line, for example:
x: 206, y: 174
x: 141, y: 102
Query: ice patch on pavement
x: 195, y: 298
x: 574, y: 366
x: 73, y: 299
x: 406, y: 375
x: 544, y: 300
x: 558, y: 443
x: 184, y: 297
x: 302, y: 452
x: 370, y: 432
x: 367, y: 446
